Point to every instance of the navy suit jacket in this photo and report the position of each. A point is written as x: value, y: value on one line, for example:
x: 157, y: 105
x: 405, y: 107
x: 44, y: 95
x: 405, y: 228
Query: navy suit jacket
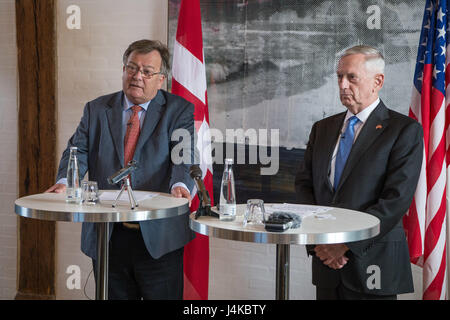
x: 99, y: 138
x: 379, y: 178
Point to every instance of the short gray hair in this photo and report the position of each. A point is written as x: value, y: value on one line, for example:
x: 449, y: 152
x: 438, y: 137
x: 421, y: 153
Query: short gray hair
x: 146, y: 46
x: 374, y: 58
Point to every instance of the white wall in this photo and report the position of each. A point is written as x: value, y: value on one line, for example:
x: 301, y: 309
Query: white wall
x: 8, y: 147
x: 240, y: 270
x: 247, y: 271
x: 89, y: 65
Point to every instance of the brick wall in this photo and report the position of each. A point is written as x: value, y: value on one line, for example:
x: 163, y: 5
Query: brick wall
x: 8, y: 142
x: 89, y: 65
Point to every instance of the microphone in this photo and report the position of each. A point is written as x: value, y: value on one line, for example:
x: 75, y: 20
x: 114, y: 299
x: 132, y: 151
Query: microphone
x: 123, y: 173
x: 196, y: 174
x: 205, y: 202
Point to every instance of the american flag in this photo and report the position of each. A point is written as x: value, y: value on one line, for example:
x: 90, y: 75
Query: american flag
x: 189, y: 82
x: 425, y: 223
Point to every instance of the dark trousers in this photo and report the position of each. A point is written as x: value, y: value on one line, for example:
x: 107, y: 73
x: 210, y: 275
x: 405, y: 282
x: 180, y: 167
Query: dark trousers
x: 343, y: 293
x: 134, y: 274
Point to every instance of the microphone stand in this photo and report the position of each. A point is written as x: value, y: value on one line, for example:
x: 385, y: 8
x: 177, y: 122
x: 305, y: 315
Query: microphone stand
x: 127, y: 185
x: 204, y: 208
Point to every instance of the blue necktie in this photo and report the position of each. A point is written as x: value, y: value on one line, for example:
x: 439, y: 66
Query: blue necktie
x: 345, y: 146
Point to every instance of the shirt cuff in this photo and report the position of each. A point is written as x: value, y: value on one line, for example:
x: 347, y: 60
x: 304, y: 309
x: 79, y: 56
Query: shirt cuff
x: 62, y: 181
x: 180, y: 184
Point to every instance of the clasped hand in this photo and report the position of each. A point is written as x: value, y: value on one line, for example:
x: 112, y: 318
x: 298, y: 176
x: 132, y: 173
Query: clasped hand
x: 332, y: 255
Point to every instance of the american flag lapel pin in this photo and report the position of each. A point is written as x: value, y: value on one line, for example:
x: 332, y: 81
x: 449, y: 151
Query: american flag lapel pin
x: 379, y: 126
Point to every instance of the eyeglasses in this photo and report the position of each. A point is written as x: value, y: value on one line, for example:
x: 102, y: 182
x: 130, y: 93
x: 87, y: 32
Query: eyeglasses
x: 146, y: 73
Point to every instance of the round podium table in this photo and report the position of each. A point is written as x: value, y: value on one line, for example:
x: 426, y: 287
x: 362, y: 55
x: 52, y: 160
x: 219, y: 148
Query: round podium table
x: 342, y: 226
x: 53, y: 207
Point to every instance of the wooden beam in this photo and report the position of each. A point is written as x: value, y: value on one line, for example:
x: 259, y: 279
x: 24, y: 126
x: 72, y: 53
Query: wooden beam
x: 36, y: 46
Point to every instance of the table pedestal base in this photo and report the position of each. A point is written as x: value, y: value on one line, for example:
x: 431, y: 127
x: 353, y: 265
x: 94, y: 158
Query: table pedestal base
x: 101, y: 283
x: 282, y: 272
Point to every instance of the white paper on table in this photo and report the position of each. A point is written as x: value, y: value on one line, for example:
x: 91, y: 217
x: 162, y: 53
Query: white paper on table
x: 299, y: 209
x: 138, y: 195
x: 323, y: 216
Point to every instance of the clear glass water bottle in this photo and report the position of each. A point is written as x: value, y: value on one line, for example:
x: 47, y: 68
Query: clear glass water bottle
x: 227, y: 201
x: 73, y: 190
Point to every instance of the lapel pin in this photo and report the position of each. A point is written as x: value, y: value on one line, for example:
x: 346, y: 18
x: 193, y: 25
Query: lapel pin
x: 379, y: 126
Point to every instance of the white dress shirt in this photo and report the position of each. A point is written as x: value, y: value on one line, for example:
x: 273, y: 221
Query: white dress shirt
x: 362, y: 117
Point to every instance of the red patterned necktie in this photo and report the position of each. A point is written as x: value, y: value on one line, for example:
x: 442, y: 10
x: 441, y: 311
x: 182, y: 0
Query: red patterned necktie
x: 132, y: 134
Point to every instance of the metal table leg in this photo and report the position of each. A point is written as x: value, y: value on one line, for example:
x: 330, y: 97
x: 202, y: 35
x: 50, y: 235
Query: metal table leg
x: 101, y: 284
x: 282, y: 272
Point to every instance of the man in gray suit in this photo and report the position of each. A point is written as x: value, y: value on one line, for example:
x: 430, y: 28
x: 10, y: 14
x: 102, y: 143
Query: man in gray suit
x: 145, y: 258
x: 367, y: 159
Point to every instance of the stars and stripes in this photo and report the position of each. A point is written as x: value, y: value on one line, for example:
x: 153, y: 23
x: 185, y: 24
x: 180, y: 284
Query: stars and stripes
x: 425, y: 222
x: 189, y: 82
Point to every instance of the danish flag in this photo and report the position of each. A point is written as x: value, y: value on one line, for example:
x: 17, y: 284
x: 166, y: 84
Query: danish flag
x: 189, y: 82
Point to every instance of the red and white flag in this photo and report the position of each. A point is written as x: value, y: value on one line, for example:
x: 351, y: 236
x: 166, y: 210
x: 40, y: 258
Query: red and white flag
x: 425, y: 222
x: 189, y: 82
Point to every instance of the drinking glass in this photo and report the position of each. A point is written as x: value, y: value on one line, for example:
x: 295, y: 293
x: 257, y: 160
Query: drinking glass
x: 254, y: 213
x: 90, y: 192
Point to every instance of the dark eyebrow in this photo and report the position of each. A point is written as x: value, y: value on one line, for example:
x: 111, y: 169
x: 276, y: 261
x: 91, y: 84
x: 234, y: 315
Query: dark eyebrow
x: 348, y: 74
x: 147, y: 66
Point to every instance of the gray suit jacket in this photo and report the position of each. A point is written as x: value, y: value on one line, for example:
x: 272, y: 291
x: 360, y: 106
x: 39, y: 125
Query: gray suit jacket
x: 99, y: 139
x: 379, y: 178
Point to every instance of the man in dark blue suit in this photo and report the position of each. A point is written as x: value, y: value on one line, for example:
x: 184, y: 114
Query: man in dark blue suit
x: 367, y: 159
x: 146, y: 258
